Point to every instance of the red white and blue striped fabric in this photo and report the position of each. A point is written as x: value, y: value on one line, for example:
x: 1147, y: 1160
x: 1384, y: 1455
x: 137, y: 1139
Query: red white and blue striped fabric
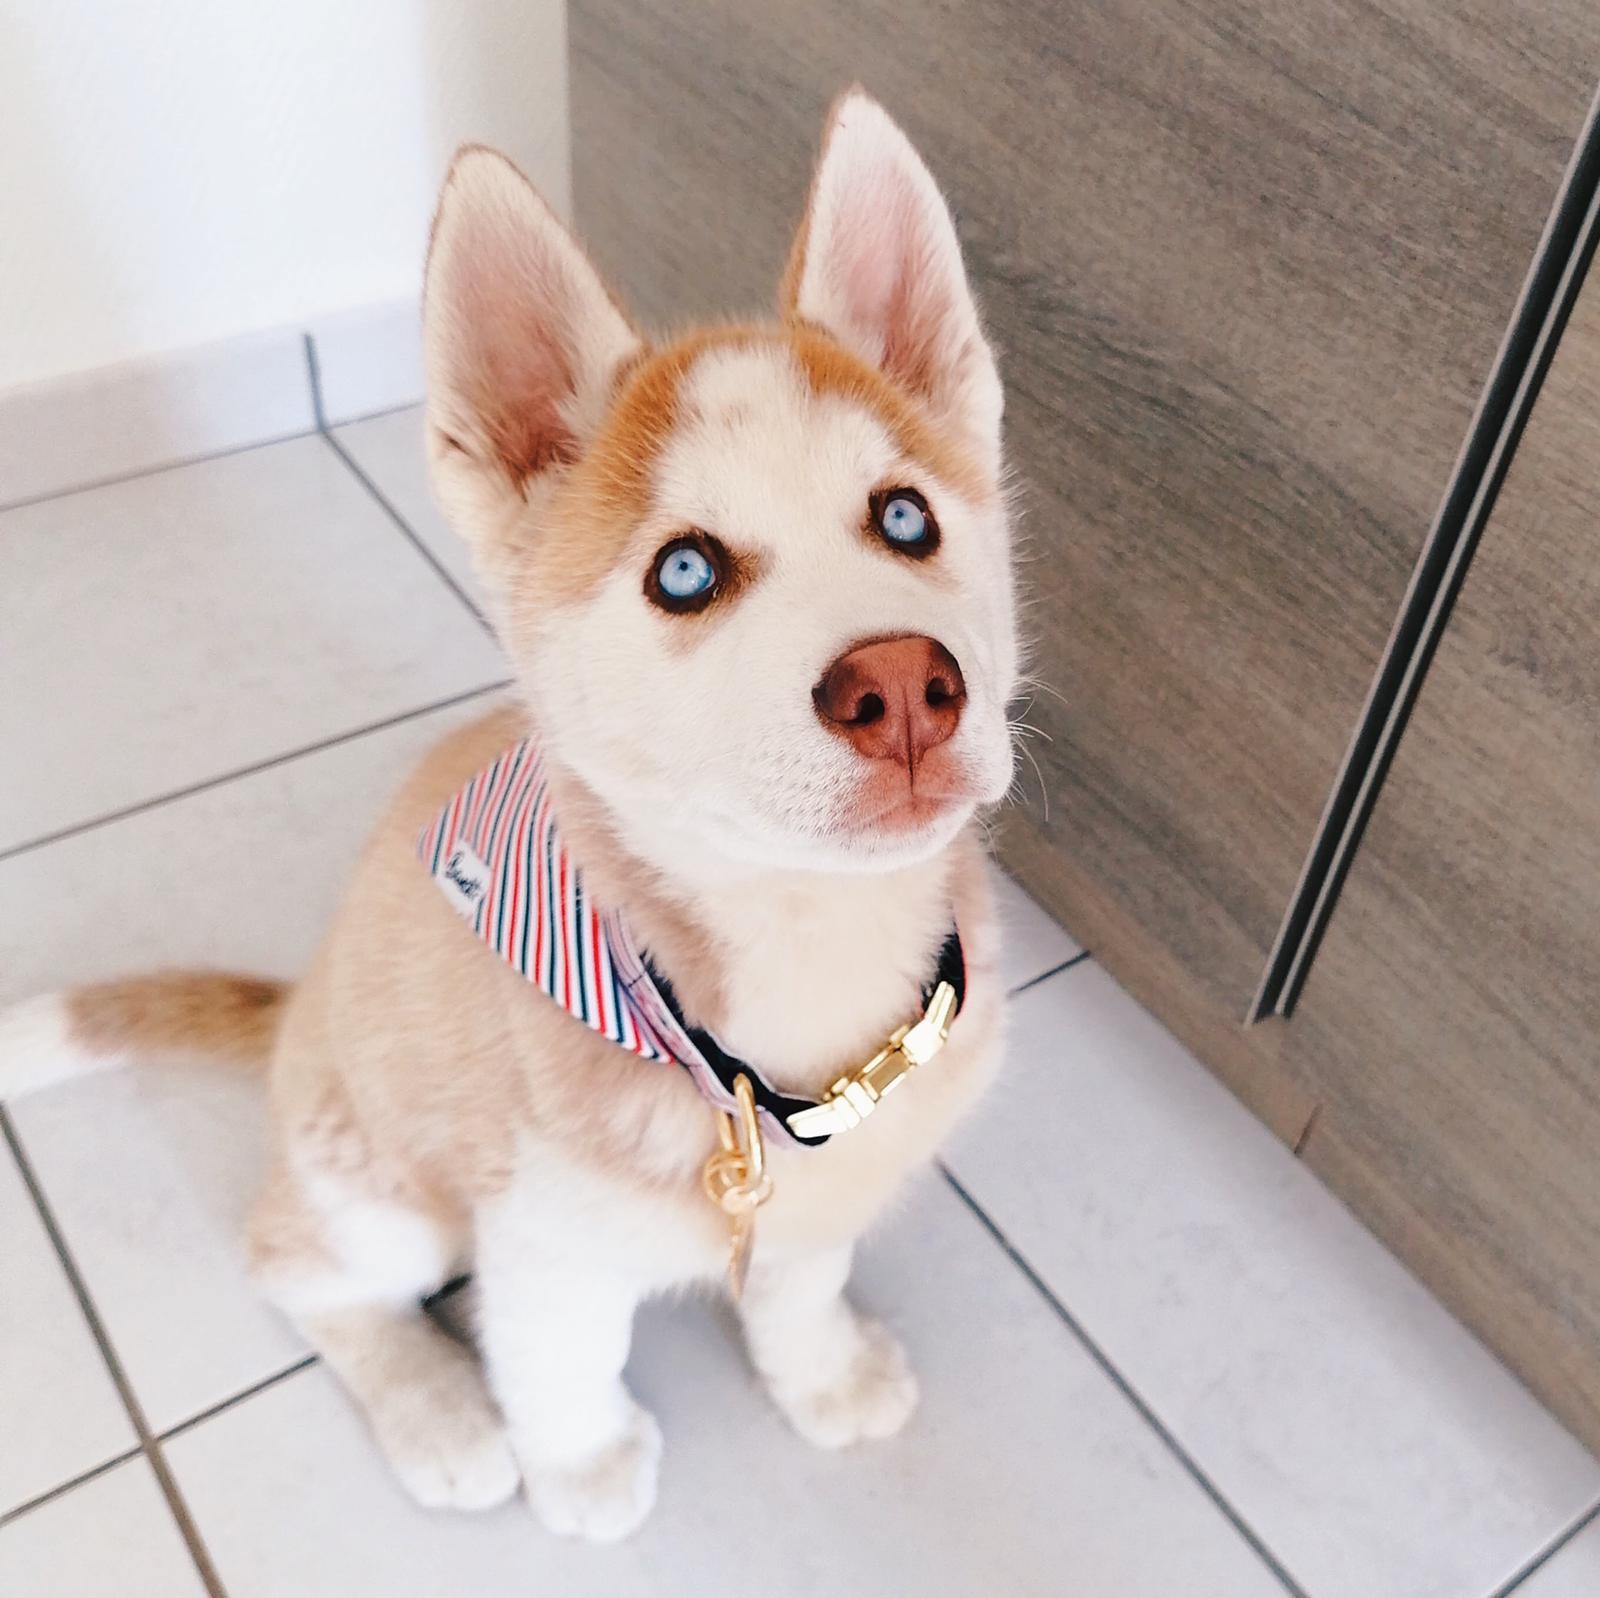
x: 495, y: 852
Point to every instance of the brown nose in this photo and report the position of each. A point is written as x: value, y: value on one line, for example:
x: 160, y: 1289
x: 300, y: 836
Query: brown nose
x: 894, y: 699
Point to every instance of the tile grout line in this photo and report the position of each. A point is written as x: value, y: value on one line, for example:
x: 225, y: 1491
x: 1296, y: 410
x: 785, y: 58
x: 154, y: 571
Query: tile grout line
x: 252, y: 770
x: 314, y: 376
x: 141, y: 472
x: 61, y: 1489
x: 211, y: 1411
x: 1107, y: 1368
x: 381, y: 500
x: 138, y: 473
x: 304, y: 1363
x: 373, y: 415
x: 319, y: 414
x: 1531, y: 1567
x: 1044, y: 976
x: 148, y: 1443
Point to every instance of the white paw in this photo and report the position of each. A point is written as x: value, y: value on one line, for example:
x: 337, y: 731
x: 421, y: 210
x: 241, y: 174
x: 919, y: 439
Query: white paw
x: 870, y: 1394
x: 603, y: 1498
x: 445, y: 1441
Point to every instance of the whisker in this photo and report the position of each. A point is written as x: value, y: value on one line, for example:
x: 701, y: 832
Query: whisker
x: 1044, y: 688
x: 1044, y: 791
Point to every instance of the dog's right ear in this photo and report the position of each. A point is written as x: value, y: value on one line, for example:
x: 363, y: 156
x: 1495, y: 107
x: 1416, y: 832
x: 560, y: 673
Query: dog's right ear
x: 521, y: 341
x: 877, y: 264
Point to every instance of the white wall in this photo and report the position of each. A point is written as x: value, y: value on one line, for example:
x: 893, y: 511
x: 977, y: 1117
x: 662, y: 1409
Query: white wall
x: 176, y: 172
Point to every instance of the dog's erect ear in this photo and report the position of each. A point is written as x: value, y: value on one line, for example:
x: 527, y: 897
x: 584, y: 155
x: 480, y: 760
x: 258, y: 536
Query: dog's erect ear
x: 520, y: 338
x: 877, y: 264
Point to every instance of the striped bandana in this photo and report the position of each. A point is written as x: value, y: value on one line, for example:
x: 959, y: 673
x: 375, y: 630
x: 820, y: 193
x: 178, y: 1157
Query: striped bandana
x: 496, y: 855
x: 495, y: 852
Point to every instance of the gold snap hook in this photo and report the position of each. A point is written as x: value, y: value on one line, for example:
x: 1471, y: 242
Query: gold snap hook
x: 735, y: 1177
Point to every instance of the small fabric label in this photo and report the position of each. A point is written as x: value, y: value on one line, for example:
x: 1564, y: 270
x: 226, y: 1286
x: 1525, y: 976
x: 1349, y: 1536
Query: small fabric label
x: 497, y: 855
x: 464, y: 879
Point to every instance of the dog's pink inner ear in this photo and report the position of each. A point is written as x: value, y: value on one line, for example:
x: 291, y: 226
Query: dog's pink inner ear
x: 877, y: 264
x: 520, y: 335
x: 893, y: 297
x: 513, y: 370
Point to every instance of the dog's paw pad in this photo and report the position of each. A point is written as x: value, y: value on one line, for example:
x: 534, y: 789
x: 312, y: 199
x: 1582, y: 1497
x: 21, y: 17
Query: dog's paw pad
x: 447, y: 1445
x: 873, y: 1395
x: 604, y: 1498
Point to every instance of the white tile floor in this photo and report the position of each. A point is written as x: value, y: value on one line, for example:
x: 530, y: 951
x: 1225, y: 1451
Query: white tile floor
x: 1158, y: 1360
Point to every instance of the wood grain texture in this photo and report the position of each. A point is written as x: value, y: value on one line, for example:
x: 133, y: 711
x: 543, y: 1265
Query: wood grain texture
x: 1247, y: 266
x: 1451, y: 1027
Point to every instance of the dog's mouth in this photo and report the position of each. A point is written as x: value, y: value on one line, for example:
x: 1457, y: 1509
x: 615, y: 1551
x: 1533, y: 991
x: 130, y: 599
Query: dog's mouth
x: 894, y: 801
x: 911, y: 813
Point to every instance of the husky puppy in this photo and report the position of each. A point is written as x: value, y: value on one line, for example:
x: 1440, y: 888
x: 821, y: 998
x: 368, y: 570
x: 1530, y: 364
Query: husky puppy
x: 755, y: 585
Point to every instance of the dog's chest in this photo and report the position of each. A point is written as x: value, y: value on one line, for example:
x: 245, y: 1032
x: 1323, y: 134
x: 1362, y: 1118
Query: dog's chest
x: 810, y: 983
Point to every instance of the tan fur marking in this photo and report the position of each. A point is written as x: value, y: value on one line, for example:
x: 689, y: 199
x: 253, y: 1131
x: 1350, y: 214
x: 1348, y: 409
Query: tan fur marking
x: 215, y: 1014
x: 597, y: 509
x: 285, y: 1235
x: 832, y: 369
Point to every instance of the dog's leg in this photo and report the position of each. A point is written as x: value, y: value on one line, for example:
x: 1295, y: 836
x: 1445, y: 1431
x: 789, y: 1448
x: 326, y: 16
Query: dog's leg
x: 425, y: 1399
x: 351, y: 1277
x: 838, y: 1376
x: 555, y: 1332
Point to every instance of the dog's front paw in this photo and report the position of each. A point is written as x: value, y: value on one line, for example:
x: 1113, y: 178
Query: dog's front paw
x: 603, y: 1498
x: 445, y: 1441
x: 869, y: 1393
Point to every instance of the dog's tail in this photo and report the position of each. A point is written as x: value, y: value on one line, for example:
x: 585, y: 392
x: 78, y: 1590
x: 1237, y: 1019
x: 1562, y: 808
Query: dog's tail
x: 207, y: 1015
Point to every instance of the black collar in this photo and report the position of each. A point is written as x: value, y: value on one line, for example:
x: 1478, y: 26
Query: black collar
x: 952, y: 968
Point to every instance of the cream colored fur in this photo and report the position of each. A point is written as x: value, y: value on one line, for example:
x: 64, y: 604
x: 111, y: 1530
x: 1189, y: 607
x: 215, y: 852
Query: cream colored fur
x: 430, y: 1110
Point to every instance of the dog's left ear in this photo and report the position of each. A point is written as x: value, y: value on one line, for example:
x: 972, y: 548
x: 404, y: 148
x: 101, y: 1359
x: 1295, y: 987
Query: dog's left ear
x: 877, y: 264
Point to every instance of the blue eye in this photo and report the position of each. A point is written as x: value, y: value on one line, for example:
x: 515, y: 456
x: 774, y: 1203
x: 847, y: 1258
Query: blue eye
x: 904, y: 520
x: 685, y: 574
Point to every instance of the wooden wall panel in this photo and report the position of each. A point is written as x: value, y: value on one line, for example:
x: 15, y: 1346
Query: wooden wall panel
x: 1248, y: 266
x: 1451, y: 1027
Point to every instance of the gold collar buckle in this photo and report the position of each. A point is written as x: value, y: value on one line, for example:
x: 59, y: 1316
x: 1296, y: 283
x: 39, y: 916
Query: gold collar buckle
x: 735, y: 1177
x: 850, y: 1100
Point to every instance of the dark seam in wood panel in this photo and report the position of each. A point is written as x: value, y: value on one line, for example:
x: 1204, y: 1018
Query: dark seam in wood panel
x: 1306, y: 1131
x: 1513, y: 387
